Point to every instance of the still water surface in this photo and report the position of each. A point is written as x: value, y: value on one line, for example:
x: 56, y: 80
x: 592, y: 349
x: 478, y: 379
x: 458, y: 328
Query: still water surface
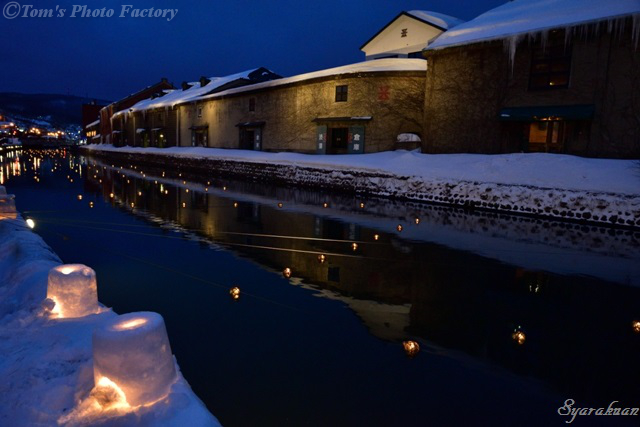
x: 324, y: 347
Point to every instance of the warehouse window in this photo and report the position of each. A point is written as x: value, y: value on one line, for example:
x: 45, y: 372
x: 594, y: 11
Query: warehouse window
x: 252, y: 104
x: 550, y: 63
x: 341, y: 93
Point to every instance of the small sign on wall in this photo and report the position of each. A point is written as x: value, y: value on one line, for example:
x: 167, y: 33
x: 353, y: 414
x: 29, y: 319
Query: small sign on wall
x: 356, y: 139
x: 321, y: 139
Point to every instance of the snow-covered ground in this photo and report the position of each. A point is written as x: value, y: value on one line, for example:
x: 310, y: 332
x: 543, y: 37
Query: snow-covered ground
x: 46, y: 365
x: 553, y: 185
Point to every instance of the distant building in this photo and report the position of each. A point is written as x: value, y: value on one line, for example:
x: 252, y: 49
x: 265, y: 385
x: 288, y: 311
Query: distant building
x: 156, y: 121
x: 557, y: 76
x: 90, y: 113
x: 407, y: 34
x: 91, y: 132
x: 107, y: 112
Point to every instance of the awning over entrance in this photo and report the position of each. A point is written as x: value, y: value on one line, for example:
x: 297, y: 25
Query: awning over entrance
x: 557, y: 112
x: 250, y: 124
x: 203, y: 127
x: 342, y: 119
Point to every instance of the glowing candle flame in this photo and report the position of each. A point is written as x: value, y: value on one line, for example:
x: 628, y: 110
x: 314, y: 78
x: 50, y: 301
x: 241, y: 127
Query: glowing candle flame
x: 417, y: 221
x: 30, y: 223
x: 79, y: 196
x: 376, y: 237
x: 399, y: 227
x: 636, y: 326
x: 325, y: 205
x: 354, y: 246
x: 322, y: 258
x: 286, y: 272
x: 361, y: 205
x: 235, y: 204
x: 280, y: 205
x: 519, y: 337
x: 234, y: 292
x: 411, y: 348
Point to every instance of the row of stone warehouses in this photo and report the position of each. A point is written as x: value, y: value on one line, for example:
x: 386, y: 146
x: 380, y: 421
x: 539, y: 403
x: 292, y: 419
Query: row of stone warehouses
x: 531, y: 75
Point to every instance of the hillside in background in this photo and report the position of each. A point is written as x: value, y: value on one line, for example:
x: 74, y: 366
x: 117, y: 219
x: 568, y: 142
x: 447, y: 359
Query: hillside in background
x: 54, y: 108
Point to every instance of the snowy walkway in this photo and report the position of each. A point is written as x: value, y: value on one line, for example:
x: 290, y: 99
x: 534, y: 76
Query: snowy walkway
x: 46, y: 374
x: 597, y: 190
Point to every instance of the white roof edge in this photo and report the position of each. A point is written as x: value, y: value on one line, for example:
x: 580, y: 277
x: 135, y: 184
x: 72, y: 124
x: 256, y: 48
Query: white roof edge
x: 92, y: 124
x: 514, y: 19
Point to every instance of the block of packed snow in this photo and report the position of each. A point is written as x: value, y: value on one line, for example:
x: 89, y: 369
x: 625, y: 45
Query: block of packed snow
x: 73, y: 289
x: 132, y: 351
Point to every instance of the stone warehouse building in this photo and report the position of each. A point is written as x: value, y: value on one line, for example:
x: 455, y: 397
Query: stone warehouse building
x: 365, y: 107
x: 155, y: 122
x: 106, y: 113
x: 555, y: 76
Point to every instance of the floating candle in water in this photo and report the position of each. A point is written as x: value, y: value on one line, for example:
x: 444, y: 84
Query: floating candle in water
x: 411, y: 348
x: 519, y: 336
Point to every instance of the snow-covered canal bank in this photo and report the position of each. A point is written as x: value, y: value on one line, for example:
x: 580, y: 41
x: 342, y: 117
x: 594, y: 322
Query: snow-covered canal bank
x: 46, y: 362
x: 547, y: 185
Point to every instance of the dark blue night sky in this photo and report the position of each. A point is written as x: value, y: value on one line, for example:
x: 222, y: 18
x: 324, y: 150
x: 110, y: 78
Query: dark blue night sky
x: 111, y: 57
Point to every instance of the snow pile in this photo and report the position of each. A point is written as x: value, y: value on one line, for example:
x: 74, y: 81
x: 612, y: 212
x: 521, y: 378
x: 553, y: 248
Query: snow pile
x: 438, y: 19
x: 520, y: 17
x: 46, y: 368
x: 561, y: 186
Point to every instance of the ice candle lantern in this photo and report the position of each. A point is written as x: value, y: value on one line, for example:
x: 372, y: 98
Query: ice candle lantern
x: 74, y: 290
x: 133, y: 352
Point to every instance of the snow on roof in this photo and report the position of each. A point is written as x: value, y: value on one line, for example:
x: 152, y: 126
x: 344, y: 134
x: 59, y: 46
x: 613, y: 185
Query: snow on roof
x: 92, y: 124
x: 179, y: 96
x: 439, y: 19
x: 375, y: 66
x: 528, y: 16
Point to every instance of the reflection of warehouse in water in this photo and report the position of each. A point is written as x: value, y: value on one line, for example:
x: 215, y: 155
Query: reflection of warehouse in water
x: 397, y: 287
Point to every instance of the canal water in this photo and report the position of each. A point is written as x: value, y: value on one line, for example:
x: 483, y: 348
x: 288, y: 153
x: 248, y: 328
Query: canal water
x: 513, y: 315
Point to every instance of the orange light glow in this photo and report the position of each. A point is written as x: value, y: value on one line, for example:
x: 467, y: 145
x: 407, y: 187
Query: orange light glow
x: 130, y: 324
x: 519, y: 337
x: 411, y: 348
